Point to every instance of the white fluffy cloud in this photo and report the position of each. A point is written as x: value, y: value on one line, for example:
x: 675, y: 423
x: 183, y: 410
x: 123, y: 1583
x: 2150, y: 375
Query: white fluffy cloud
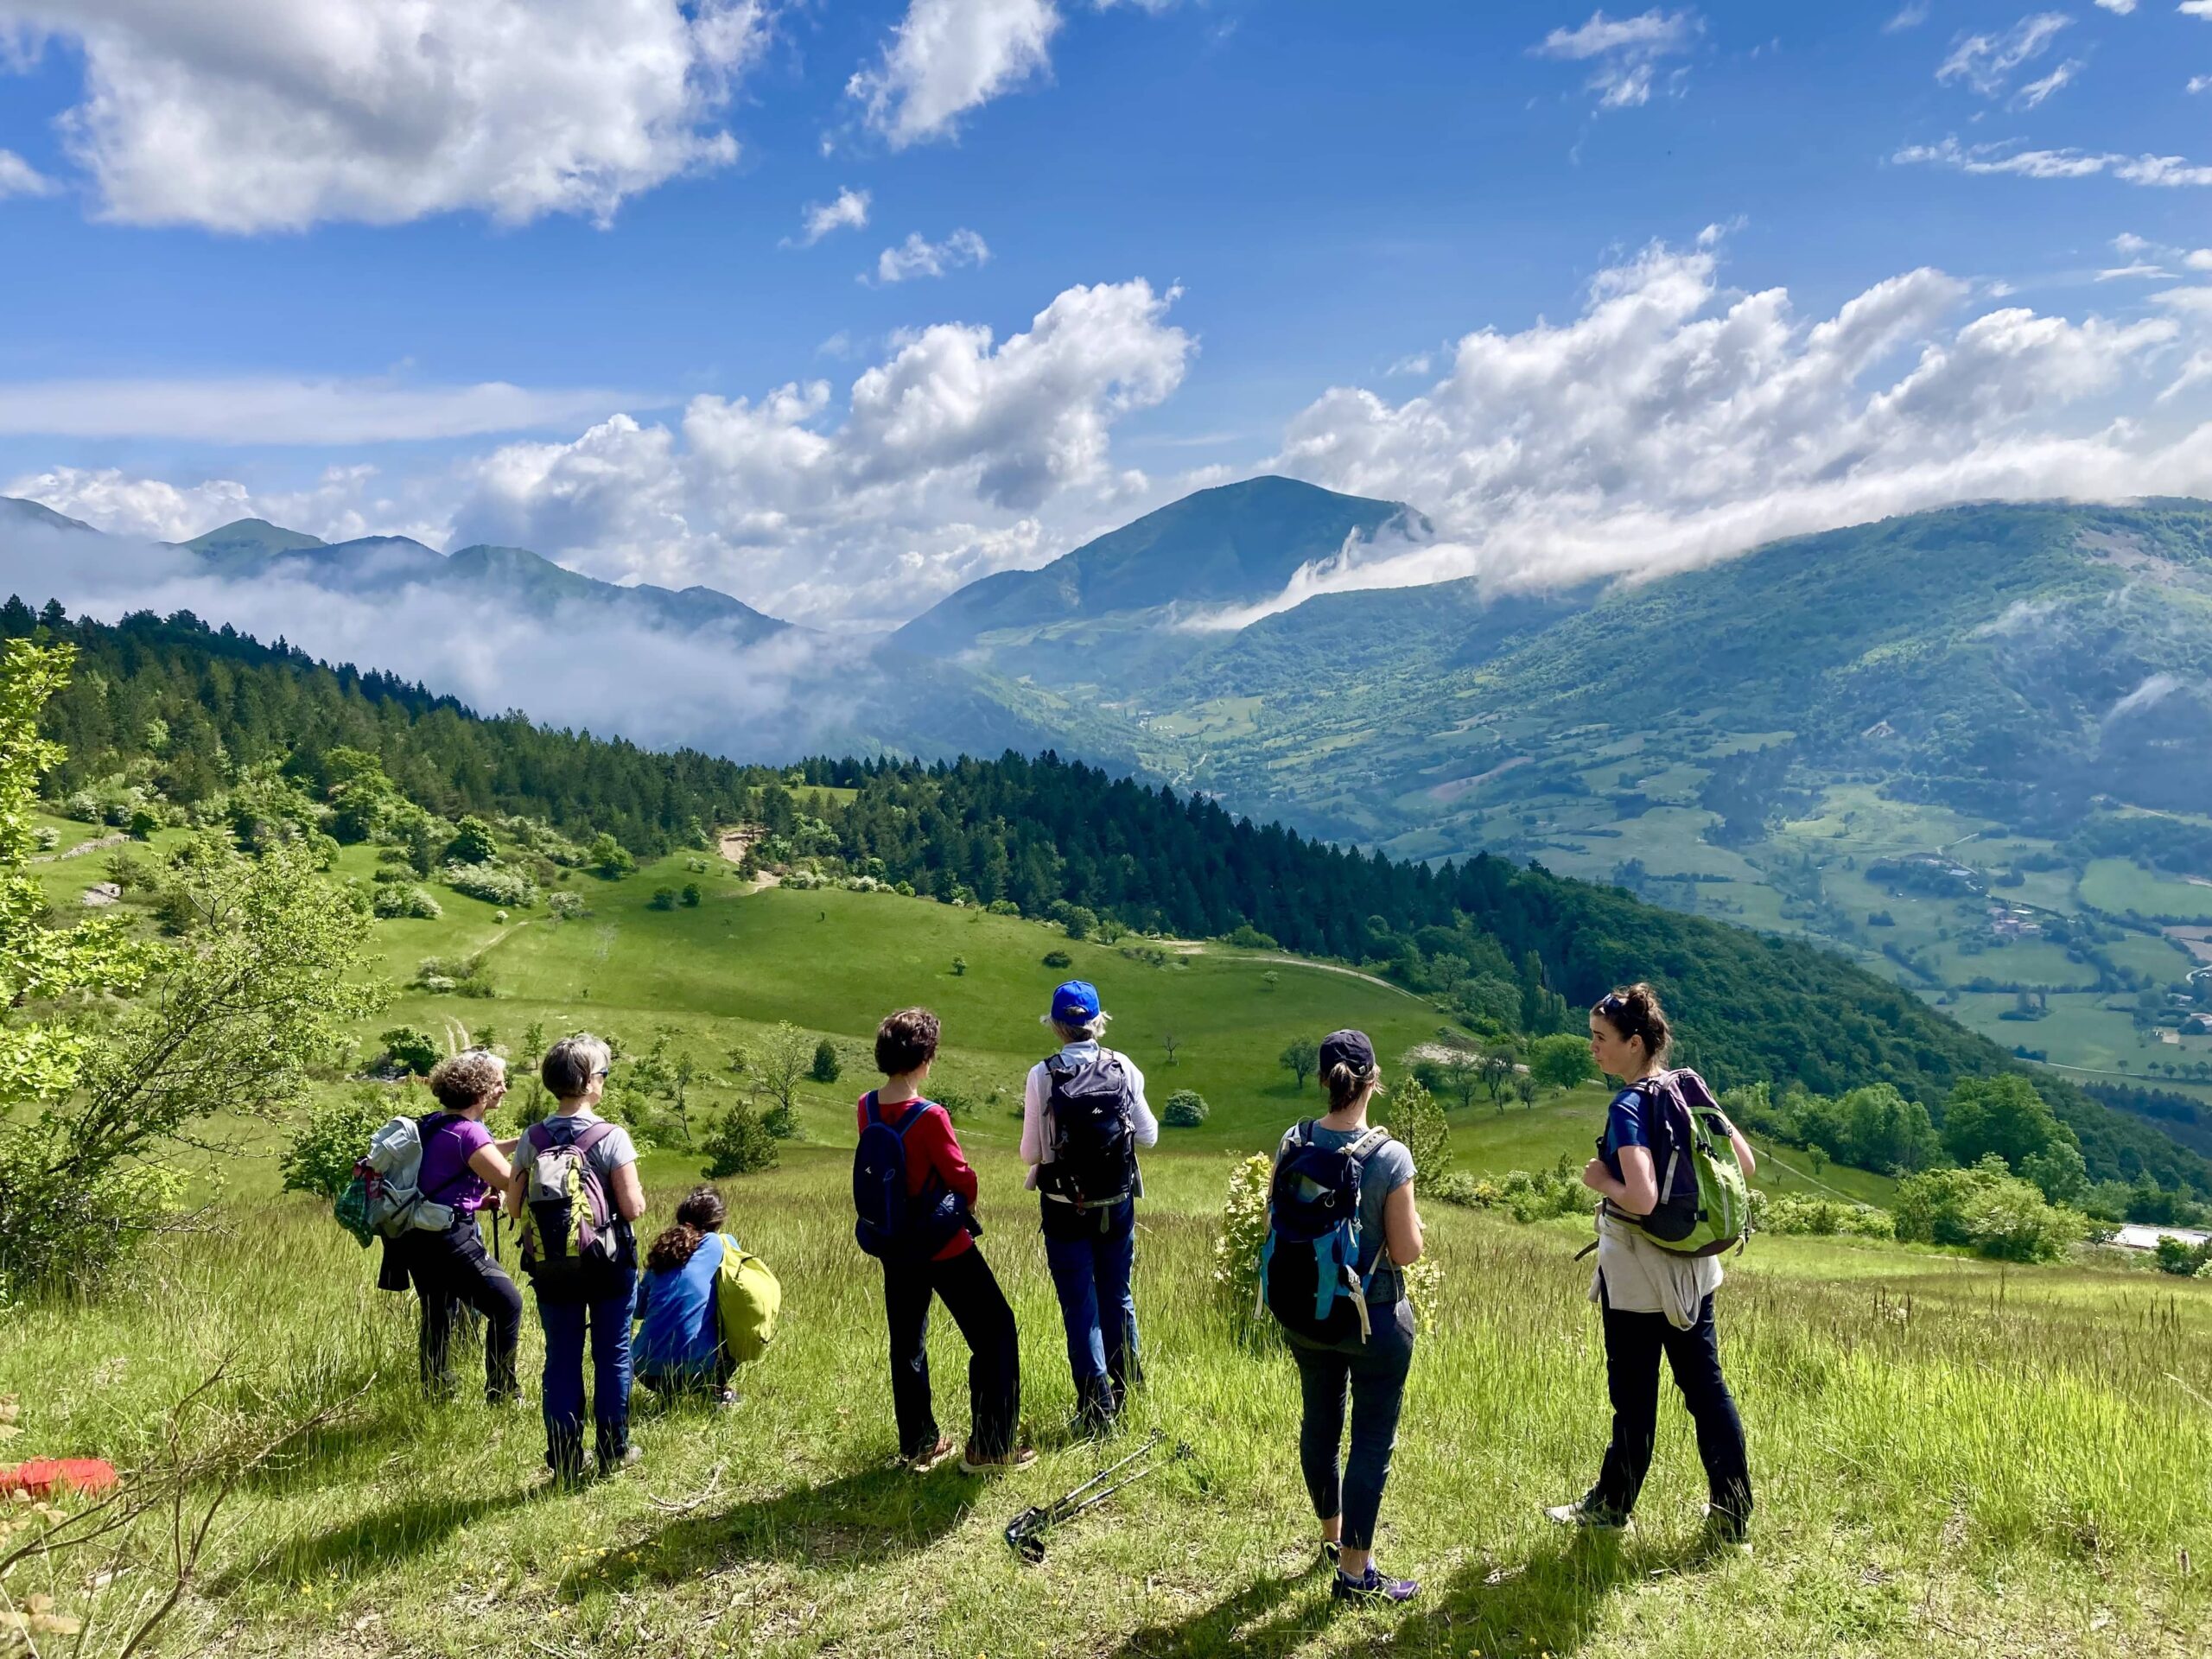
x: 1674, y: 421
x: 19, y: 178
x: 1626, y: 52
x: 2167, y: 172
x: 919, y: 256
x: 270, y: 410
x: 1985, y: 62
x: 2123, y: 7
x: 945, y: 57
x: 346, y: 502
x: 957, y: 454
x: 267, y: 115
x: 849, y: 212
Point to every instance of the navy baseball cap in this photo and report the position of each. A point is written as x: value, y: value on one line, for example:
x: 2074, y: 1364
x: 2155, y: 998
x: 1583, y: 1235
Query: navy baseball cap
x: 1075, y: 1003
x: 1348, y: 1048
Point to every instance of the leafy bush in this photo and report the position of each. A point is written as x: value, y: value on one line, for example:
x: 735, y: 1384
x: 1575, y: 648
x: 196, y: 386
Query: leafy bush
x: 490, y: 883
x: 1058, y: 959
x: 1236, y: 1247
x: 663, y: 899
x: 1186, y: 1109
x: 1824, y: 1217
x: 690, y: 897
x: 1415, y: 1119
x: 470, y: 842
x: 416, y: 1051
x: 568, y: 906
x: 404, y: 898
x: 828, y: 1066
x: 959, y: 966
x: 1245, y: 936
x: 454, y: 976
x: 958, y: 1103
x: 781, y: 1122
x: 332, y: 1137
x: 1987, y: 1209
x: 1556, y: 1192
x: 739, y: 1144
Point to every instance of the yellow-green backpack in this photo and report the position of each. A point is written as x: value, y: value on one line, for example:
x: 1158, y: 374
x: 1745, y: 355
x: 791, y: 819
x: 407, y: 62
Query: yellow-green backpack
x: 747, y: 1298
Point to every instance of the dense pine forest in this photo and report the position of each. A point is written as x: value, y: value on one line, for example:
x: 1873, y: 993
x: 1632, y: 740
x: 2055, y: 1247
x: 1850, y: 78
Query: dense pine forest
x: 185, y: 709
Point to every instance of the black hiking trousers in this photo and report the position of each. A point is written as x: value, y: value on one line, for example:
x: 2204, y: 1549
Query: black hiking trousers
x: 1634, y: 1343
x: 971, y: 1295
x: 451, y: 1275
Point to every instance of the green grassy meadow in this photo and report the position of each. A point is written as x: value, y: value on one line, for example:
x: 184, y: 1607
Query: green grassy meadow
x: 1952, y: 1457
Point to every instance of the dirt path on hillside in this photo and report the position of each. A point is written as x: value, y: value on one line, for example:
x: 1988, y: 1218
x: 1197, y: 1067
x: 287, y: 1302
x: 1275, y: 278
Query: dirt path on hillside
x: 1197, y: 948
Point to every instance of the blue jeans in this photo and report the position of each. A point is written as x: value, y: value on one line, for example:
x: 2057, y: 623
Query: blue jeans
x: 565, y: 1322
x: 1375, y: 1371
x: 1091, y: 1275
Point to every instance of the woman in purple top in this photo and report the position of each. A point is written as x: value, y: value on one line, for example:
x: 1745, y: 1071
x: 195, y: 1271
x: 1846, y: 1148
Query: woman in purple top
x: 463, y: 1166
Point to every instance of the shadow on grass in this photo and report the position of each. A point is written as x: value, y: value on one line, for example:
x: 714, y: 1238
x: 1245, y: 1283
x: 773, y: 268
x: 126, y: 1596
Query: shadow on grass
x: 868, y: 1516
x: 1254, y: 1621
x: 384, y: 1537
x: 1547, y: 1604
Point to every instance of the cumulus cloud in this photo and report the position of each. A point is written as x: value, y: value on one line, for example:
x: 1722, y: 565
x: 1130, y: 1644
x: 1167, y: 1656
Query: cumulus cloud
x: 2167, y: 172
x: 945, y: 58
x: 343, y: 503
x: 958, y: 454
x: 19, y: 178
x: 919, y: 256
x: 1625, y: 51
x: 1674, y: 421
x: 2123, y: 7
x: 848, y: 213
x: 267, y: 115
x: 1985, y: 62
x: 268, y: 409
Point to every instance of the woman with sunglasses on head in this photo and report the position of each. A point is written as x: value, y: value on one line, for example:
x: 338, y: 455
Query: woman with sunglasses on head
x: 1652, y: 1301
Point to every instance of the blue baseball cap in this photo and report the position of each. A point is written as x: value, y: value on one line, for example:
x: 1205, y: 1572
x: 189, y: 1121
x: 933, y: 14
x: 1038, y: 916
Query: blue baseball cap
x: 1075, y: 1003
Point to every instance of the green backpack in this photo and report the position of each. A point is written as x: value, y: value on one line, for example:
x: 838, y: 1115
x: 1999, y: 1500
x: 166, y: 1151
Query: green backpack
x: 1705, y: 1203
x: 747, y: 1299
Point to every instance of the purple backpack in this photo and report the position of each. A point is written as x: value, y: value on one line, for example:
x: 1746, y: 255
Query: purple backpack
x: 570, y: 1226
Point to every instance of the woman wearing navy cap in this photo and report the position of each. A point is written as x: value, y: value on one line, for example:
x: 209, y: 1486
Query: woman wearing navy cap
x: 1083, y: 1116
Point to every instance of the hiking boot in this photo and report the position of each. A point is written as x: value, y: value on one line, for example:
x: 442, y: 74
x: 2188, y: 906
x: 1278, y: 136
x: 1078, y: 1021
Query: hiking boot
x: 973, y: 1462
x: 1592, y: 1517
x: 931, y: 1458
x: 1371, y: 1588
x: 1724, y: 1530
x: 613, y: 1462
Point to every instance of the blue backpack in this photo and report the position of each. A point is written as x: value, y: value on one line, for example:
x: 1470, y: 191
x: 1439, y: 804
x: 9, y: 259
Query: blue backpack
x: 1309, y: 1266
x: 893, y: 1223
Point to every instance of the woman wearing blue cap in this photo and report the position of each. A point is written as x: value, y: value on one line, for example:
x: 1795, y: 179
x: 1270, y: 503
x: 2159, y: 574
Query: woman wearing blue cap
x: 1083, y: 1116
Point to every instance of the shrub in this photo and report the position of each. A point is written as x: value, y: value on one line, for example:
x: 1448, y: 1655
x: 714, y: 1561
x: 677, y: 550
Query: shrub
x: 1824, y: 1217
x: 470, y: 842
x: 739, y: 1144
x: 828, y: 1067
x: 46, y: 838
x: 413, y: 1050
x: 1245, y: 936
x: 568, y: 906
x: 404, y: 898
x: 958, y: 1103
x: 1186, y: 1109
x: 1236, y: 1247
x: 609, y: 859
x: 1415, y: 1119
x: 1058, y: 959
x: 490, y: 883
x: 143, y: 822
x: 690, y: 897
x: 781, y: 1122
x: 454, y: 976
x: 1987, y: 1208
x: 663, y: 899
x: 332, y: 1137
x: 959, y: 966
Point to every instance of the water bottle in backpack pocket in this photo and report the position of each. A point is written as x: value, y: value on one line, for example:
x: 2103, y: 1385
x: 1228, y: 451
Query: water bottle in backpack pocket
x: 385, y: 1199
x: 893, y: 1223
x: 1309, y: 1266
x: 1093, y: 1135
x: 569, y: 1229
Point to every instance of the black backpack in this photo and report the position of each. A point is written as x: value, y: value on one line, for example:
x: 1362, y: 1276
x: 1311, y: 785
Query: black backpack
x: 1309, y: 1266
x: 893, y: 1223
x: 1093, y: 1140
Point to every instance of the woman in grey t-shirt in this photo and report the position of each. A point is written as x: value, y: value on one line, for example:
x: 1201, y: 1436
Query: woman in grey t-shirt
x: 1374, y: 1369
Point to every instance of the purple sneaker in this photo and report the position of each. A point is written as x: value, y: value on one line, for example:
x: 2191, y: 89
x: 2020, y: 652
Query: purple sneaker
x: 1374, y: 1588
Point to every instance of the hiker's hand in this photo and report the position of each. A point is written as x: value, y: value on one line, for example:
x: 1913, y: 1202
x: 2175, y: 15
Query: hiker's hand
x: 1598, y: 1178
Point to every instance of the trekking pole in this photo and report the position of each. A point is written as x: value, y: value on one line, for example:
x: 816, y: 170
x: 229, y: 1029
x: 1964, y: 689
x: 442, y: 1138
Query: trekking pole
x: 1025, y: 1533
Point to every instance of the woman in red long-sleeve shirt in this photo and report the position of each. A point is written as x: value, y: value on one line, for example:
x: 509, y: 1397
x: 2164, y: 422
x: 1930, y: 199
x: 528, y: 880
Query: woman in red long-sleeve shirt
x: 906, y: 1047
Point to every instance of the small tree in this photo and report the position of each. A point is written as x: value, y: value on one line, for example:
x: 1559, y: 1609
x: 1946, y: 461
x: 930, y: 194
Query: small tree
x: 1270, y: 980
x: 1497, y: 1074
x: 470, y: 842
x: 1524, y: 1089
x: 776, y: 1062
x: 690, y: 897
x: 828, y: 1067
x: 609, y: 859
x: 738, y: 1145
x: 663, y: 899
x: 959, y: 966
x: 410, y: 1049
x: 1562, y: 1061
x: 1417, y: 1121
x: 1171, y: 1042
x: 332, y: 1137
x: 1300, y: 1058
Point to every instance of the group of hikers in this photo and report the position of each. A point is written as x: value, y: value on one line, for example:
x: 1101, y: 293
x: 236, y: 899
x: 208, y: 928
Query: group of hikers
x: 1343, y: 1227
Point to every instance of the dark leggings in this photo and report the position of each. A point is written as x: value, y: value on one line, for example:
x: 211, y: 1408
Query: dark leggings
x: 972, y: 1296
x: 1375, y: 1371
x: 452, y: 1274
x: 1634, y: 1343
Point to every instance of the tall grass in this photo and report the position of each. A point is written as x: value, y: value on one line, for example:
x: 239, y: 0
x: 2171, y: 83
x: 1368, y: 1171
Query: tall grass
x: 1949, y: 1460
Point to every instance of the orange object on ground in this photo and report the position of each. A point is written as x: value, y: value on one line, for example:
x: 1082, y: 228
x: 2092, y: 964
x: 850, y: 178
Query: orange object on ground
x: 49, y: 1477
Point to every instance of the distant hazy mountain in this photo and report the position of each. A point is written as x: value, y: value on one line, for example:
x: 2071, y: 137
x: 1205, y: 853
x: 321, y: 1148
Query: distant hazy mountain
x: 17, y: 511
x: 1100, y: 615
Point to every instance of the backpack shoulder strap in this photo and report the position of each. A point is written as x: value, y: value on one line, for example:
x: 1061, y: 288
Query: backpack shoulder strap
x: 1364, y: 1148
x: 592, y: 1135
x: 540, y: 1137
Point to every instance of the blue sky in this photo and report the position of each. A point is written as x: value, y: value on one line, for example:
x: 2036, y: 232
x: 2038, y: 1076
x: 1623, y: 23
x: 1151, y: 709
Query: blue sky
x: 541, y: 272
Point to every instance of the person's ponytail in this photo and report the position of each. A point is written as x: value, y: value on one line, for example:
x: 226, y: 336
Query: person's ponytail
x: 1347, y: 1082
x: 702, y: 1212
